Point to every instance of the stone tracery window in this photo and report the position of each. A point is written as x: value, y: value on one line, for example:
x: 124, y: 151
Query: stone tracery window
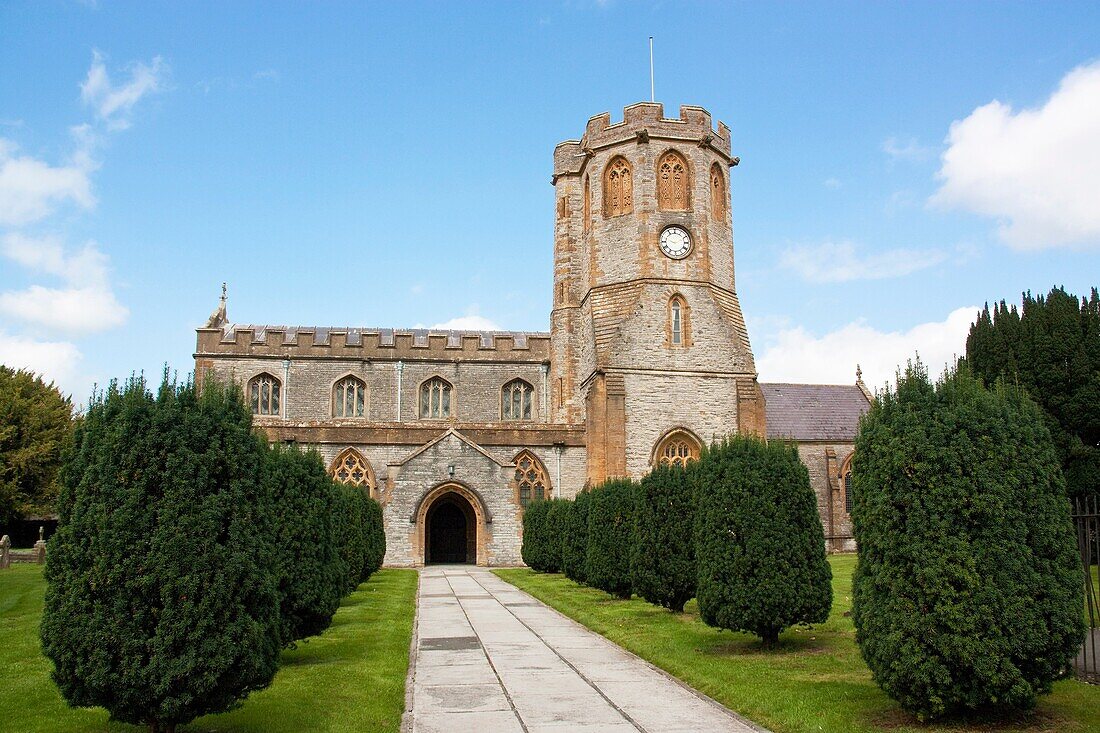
x: 717, y: 193
x: 264, y: 392
x: 531, y: 478
x: 672, y: 182
x: 618, y: 188
x: 677, y: 449
x: 350, y: 467
x: 349, y: 398
x: 435, y: 398
x: 516, y: 400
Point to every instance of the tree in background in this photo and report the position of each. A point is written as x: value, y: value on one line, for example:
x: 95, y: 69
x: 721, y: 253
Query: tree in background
x: 1050, y: 347
x: 574, y: 543
x: 760, y: 545
x: 968, y: 590
x: 161, y: 604
x: 611, y: 536
x: 663, y: 562
x: 309, y: 567
x: 35, y: 422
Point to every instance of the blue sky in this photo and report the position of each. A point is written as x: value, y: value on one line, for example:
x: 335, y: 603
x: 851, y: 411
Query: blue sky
x: 389, y: 165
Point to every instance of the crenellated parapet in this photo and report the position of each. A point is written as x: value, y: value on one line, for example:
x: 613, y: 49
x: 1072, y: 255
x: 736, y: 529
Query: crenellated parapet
x: 295, y: 342
x: 643, y: 122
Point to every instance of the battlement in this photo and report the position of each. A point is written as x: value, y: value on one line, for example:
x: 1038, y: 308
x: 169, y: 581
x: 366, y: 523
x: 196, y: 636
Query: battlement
x: 292, y: 342
x: 641, y: 121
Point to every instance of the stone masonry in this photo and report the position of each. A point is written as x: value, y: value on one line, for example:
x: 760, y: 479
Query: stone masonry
x: 647, y: 354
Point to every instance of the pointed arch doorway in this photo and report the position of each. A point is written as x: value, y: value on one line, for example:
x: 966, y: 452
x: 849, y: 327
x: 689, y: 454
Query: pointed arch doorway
x: 450, y: 524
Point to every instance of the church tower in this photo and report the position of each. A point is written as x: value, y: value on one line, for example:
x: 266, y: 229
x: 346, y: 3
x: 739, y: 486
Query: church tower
x: 649, y: 347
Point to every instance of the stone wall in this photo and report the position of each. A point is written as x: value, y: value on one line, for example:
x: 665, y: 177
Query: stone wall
x: 824, y: 461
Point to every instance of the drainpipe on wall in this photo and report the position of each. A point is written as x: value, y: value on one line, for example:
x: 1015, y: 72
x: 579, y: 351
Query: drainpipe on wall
x: 560, y: 448
x: 400, y: 369
x: 286, y: 385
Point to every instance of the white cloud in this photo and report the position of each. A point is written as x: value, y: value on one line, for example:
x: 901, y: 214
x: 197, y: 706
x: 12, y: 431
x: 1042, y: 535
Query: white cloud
x: 467, y: 323
x: 1037, y: 171
x: 31, y: 189
x: 56, y: 361
x: 86, y: 305
x: 832, y: 183
x: 795, y: 355
x: 910, y: 150
x: 835, y: 262
x: 114, y: 103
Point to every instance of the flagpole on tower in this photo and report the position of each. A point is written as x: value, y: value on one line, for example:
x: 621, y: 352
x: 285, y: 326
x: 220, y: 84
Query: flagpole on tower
x: 652, y: 97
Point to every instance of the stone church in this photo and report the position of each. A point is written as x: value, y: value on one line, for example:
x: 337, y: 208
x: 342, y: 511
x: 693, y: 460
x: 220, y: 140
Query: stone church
x: 647, y: 359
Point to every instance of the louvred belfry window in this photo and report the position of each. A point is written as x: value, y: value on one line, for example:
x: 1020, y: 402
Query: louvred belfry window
x: 717, y: 193
x: 618, y: 188
x: 672, y: 183
x: 531, y: 479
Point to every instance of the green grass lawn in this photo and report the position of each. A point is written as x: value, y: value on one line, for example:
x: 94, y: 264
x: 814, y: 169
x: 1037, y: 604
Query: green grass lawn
x: 816, y: 681
x: 351, y: 678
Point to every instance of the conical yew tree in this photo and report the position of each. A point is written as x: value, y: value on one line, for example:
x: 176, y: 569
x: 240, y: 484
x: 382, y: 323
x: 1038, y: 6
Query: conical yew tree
x: 968, y: 591
x: 760, y: 545
x: 161, y: 604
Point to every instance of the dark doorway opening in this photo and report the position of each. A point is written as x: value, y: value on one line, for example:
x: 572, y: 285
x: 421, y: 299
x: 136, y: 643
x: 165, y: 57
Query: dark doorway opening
x: 451, y: 531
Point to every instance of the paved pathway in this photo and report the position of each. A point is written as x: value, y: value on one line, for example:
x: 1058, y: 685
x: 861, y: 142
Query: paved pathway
x: 489, y: 657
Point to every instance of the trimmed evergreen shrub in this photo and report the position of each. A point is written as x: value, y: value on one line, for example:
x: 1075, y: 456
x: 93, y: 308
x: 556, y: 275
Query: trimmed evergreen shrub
x: 760, y: 545
x: 376, y: 538
x: 611, y: 537
x: 968, y: 589
x: 574, y: 543
x: 533, y: 549
x: 351, y: 507
x: 309, y: 568
x: 555, y: 531
x: 161, y: 602
x: 662, y: 565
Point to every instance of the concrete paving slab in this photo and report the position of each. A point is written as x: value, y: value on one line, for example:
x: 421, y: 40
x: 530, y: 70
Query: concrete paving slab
x: 489, y: 657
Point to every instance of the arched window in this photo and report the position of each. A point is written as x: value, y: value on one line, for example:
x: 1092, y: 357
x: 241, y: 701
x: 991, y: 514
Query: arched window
x: 350, y: 467
x: 677, y: 321
x: 435, y: 398
x: 618, y: 188
x: 677, y: 449
x: 263, y: 394
x: 531, y: 478
x: 515, y: 400
x: 586, y: 209
x: 672, y: 183
x: 846, y: 482
x: 349, y: 398
x: 717, y: 193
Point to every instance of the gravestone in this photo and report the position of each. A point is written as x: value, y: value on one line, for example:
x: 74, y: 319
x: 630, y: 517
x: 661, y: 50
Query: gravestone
x: 5, y: 553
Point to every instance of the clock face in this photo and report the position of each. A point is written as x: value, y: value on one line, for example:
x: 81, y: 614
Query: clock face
x: 676, y: 242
